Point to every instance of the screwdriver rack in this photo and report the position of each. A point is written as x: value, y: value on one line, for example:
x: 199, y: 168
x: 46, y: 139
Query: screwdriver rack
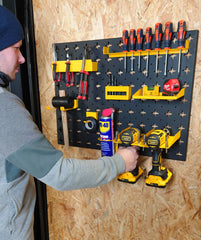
x: 144, y: 53
x: 125, y: 95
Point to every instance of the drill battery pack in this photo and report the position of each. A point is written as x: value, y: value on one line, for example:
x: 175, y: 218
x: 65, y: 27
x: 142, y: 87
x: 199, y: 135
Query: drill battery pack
x: 159, y: 181
x: 132, y: 176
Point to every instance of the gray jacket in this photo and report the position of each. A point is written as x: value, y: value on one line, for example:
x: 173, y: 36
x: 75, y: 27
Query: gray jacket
x: 26, y: 153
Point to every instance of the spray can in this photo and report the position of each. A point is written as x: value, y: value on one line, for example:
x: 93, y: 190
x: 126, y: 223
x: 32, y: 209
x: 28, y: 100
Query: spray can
x: 107, y: 132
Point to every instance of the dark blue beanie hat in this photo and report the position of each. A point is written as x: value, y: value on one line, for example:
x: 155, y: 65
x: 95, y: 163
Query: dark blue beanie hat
x: 10, y: 29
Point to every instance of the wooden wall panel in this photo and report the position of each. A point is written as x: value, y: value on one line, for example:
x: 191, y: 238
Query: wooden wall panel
x: 118, y: 210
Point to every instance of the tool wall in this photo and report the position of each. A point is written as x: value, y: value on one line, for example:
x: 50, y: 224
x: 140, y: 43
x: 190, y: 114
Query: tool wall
x: 130, y: 109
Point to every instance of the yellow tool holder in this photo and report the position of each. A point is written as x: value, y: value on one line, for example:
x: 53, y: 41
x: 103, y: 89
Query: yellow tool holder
x: 74, y: 106
x: 141, y: 94
x: 92, y: 115
x: 76, y: 66
x: 118, y: 92
x: 144, y: 53
x: 142, y: 143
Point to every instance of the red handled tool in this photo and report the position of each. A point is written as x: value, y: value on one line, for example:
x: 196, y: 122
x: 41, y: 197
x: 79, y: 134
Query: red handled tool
x: 132, y: 46
x: 83, y: 79
x: 181, y: 32
x: 148, y: 47
x: 125, y: 46
x: 139, y: 44
x: 167, y: 40
x: 69, y: 76
x: 158, y: 38
x: 85, y: 85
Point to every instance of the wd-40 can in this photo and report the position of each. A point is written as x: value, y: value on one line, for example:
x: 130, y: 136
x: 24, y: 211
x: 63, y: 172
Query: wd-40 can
x: 107, y: 132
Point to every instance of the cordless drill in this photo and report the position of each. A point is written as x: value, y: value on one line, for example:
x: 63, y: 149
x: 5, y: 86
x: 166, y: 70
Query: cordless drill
x: 158, y: 176
x: 128, y: 137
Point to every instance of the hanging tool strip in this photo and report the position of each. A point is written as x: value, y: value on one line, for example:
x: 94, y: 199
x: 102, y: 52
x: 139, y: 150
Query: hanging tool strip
x: 128, y: 75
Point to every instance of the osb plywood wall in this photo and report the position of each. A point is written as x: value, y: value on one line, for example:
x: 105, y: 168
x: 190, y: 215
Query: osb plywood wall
x: 118, y: 210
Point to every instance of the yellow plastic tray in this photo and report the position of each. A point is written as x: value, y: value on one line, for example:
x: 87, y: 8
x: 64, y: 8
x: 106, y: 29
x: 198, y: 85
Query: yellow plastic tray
x: 139, y: 95
x: 144, y: 53
x: 76, y: 66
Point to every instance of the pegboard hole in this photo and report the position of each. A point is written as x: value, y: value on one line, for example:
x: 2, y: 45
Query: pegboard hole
x: 184, y: 100
x: 142, y: 125
x: 120, y: 59
x: 155, y: 113
x: 130, y: 124
x: 168, y: 113
x: 130, y: 111
x: 188, y: 55
x: 119, y: 123
x: 119, y: 111
x: 76, y: 47
x: 142, y: 112
x: 97, y: 45
x: 109, y: 44
x: 181, y: 141
x: 120, y: 72
x: 190, y: 38
x: 187, y: 70
x: 108, y: 72
x: 154, y: 125
x: 181, y: 128
x: 174, y: 40
x: 66, y: 48
x: 182, y: 114
x: 172, y: 71
x: 120, y: 44
x: 109, y: 59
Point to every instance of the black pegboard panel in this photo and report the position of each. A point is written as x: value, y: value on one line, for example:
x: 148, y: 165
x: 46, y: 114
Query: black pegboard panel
x: 143, y: 114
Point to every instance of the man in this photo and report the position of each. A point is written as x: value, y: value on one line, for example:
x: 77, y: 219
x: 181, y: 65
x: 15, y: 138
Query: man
x: 26, y: 153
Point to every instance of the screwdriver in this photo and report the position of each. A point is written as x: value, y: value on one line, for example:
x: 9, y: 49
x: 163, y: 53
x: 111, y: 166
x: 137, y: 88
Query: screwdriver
x: 67, y: 77
x: 148, y: 47
x: 158, y: 37
x: 132, y: 46
x: 181, y: 32
x: 125, y: 46
x: 139, y: 44
x: 85, y: 85
x: 167, y: 39
x: 82, y: 73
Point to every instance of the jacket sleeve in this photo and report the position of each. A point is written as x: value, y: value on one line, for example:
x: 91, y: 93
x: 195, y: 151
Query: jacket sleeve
x: 26, y: 148
x: 70, y: 174
x: 41, y: 160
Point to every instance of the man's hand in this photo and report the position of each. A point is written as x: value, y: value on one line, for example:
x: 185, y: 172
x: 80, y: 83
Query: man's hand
x: 130, y: 156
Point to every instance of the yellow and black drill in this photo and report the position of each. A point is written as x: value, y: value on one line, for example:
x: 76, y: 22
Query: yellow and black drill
x: 158, y: 176
x: 128, y: 137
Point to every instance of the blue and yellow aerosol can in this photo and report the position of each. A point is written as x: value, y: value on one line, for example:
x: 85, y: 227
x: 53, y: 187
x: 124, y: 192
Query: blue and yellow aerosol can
x: 106, y: 124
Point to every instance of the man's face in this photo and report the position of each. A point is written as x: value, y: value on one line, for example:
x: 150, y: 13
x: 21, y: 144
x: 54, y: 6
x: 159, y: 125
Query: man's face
x: 10, y: 60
